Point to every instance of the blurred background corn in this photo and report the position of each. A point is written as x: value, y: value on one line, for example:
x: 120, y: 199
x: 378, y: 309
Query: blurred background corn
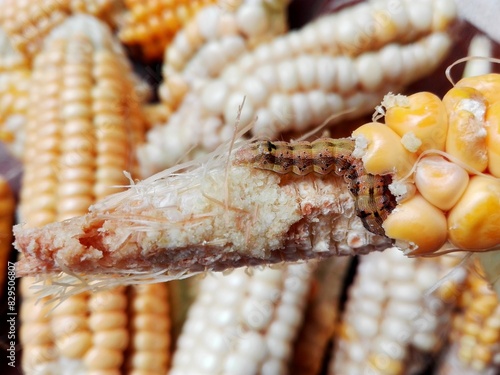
x: 14, y: 86
x: 28, y: 22
x: 391, y: 323
x: 150, y: 26
x: 218, y: 35
x: 298, y: 80
x: 475, y: 334
x: 150, y: 329
x: 83, y: 121
x: 244, y: 322
x: 321, y: 317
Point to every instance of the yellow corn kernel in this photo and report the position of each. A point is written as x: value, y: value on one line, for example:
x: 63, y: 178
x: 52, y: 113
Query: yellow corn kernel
x: 466, y: 139
x: 417, y: 221
x: 440, y: 182
x: 474, y: 222
x: 374, y: 140
x: 149, y: 350
x: 488, y: 85
x: 493, y: 138
x: 424, y: 116
x: 151, y: 25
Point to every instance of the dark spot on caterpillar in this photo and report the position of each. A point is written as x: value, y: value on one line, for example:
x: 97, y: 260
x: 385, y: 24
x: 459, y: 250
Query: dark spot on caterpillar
x: 373, y: 200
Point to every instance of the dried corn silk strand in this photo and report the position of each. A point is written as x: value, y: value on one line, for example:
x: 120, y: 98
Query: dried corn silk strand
x: 474, y: 338
x: 244, y: 320
x: 289, y: 96
x: 321, y: 317
x: 391, y: 321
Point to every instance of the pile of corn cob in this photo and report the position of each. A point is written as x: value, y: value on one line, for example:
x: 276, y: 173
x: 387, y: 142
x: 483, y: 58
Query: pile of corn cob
x: 84, y: 121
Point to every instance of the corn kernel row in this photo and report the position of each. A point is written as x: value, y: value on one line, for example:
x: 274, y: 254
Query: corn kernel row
x: 151, y: 26
x: 287, y: 97
x: 244, y: 322
x: 218, y: 35
x: 475, y: 331
x: 83, y: 121
x: 390, y: 317
x: 28, y: 22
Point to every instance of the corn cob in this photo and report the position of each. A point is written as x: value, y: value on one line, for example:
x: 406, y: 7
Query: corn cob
x: 320, y: 318
x: 7, y: 205
x: 83, y: 121
x: 283, y: 92
x: 214, y: 38
x: 205, y: 216
x: 390, y: 317
x: 241, y: 322
x: 416, y: 126
x: 475, y: 331
x: 150, y: 329
x: 28, y: 22
x: 151, y: 26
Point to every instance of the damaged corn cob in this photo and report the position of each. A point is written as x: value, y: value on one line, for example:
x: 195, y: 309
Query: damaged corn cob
x: 300, y: 79
x: 151, y: 26
x: 474, y: 338
x: 419, y: 195
x: 83, y: 121
x: 244, y: 321
x: 391, y: 324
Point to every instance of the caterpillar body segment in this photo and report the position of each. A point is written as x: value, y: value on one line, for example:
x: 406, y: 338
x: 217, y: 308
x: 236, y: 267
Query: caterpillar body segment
x: 373, y: 200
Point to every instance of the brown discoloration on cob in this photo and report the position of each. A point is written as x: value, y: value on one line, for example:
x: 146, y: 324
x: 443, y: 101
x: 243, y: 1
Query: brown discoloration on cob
x: 7, y: 207
x: 374, y: 202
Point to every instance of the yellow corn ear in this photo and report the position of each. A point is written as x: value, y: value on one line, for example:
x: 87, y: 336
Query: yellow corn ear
x: 83, y: 122
x: 28, y: 22
x: 151, y: 25
x: 475, y: 331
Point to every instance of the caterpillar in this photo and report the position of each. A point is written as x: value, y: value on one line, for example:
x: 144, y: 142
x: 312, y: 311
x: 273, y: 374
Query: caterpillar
x: 373, y: 200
